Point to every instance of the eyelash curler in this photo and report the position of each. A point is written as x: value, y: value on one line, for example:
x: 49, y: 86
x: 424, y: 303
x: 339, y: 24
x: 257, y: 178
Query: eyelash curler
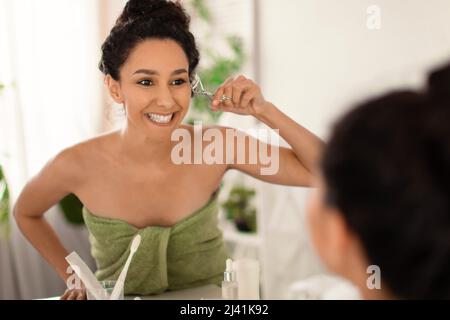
x: 199, y: 90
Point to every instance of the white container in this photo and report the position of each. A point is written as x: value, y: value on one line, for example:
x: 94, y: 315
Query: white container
x: 247, y: 274
x: 229, y: 284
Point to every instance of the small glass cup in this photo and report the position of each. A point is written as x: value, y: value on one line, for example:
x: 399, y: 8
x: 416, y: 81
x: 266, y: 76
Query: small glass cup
x: 108, y: 285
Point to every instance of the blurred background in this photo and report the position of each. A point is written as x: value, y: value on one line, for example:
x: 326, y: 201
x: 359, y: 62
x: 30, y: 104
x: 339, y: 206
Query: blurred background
x: 314, y: 59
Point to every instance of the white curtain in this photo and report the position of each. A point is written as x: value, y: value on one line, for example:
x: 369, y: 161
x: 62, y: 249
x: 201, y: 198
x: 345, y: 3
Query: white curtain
x: 49, y: 50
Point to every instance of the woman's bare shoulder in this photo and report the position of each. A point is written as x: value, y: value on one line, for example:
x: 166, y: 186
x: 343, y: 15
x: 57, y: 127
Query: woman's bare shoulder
x: 98, y: 144
x: 82, y: 155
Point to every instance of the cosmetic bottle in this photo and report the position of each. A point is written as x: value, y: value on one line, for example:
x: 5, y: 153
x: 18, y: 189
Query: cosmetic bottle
x: 229, y: 284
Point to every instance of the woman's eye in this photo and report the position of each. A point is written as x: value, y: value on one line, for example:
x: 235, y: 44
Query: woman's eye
x: 145, y: 83
x: 179, y: 82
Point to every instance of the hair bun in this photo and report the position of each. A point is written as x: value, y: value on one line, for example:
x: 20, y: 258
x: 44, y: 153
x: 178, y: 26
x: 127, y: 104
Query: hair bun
x: 439, y: 84
x: 164, y: 10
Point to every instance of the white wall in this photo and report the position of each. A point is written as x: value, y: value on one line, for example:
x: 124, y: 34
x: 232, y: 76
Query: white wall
x: 318, y: 58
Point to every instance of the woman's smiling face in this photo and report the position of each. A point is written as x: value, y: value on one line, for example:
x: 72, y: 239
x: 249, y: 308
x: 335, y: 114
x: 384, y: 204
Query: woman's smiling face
x: 154, y: 86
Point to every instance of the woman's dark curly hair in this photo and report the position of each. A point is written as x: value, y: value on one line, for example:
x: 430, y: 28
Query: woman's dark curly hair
x: 147, y: 19
x: 387, y: 168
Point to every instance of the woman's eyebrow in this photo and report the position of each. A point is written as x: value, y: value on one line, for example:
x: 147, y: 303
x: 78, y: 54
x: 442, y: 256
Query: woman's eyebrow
x: 147, y: 72
x: 154, y: 72
x: 179, y: 71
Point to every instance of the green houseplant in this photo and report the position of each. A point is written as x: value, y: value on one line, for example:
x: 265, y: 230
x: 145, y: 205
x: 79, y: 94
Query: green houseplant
x: 239, y: 209
x: 218, y: 69
x: 4, y: 203
x: 4, y: 196
x: 72, y: 208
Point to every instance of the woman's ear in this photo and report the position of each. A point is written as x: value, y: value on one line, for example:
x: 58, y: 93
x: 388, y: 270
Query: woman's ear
x: 341, y: 240
x: 114, y: 89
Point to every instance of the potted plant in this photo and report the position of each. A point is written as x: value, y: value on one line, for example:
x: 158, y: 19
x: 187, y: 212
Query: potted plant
x: 239, y: 208
x: 4, y: 203
x: 4, y: 195
x: 72, y: 208
x: 218, y: 68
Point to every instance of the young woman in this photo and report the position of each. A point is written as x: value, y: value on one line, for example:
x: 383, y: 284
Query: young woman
x: 381, y: 214
x: 127, y: 179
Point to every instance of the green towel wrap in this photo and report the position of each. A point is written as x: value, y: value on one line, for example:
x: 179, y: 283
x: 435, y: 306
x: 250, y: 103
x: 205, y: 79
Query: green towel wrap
x: 191, y: 253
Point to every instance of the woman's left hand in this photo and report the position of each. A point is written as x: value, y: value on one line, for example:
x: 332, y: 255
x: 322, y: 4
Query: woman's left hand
x: 241, y: 96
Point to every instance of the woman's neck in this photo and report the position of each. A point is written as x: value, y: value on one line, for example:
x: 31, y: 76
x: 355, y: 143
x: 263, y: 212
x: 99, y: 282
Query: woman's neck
x: 141, y: 148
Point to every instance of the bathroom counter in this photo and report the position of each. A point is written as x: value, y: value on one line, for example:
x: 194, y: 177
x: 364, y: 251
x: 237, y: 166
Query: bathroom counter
x: 210, y: 292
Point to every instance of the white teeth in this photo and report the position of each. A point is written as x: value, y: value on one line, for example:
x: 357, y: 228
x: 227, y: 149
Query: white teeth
x: 160, y: 118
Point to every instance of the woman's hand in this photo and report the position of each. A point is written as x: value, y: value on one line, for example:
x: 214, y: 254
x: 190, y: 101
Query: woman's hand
x: 74, y: 294
x: 241, y: 96
x: 291, y: 166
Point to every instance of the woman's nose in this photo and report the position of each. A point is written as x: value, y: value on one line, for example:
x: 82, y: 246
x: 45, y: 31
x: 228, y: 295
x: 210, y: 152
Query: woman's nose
x: 165, y: 98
